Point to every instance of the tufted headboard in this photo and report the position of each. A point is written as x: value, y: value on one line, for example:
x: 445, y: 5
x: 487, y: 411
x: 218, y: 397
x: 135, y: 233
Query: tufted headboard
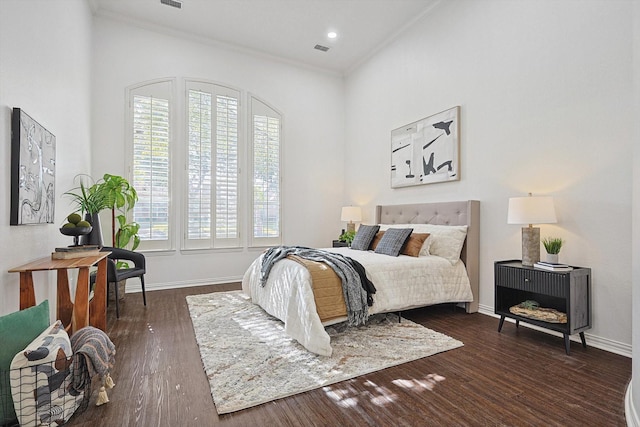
x: 444, y: 213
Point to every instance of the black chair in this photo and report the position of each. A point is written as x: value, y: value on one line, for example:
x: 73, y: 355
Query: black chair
x: 114, y: 275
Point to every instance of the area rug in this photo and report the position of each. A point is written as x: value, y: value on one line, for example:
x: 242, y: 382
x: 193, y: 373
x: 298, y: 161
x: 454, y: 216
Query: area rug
x: 249, y: 359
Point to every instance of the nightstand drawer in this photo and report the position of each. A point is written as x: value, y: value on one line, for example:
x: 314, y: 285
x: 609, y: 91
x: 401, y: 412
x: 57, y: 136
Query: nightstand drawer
x: 542, y: 282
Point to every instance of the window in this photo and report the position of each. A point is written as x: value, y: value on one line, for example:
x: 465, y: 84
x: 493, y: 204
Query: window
x: 265, y: 180
x: 202, y: 125
x: 212, y: 166
x: 150, y: 132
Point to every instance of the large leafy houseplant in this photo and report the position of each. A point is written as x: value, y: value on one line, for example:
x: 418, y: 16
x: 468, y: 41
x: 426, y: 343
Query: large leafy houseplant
x: 120, y: 198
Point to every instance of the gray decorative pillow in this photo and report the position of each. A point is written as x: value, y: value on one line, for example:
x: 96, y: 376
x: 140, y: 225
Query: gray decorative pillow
x: 393, y: 240
x: 364, y: 236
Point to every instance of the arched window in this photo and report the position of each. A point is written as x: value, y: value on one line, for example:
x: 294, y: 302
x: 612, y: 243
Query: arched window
x: 150, y: 132
x: 218, y: 202
x: 266, y: 194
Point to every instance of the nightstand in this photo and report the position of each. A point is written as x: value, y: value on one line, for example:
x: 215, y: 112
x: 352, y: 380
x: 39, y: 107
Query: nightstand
x: 565, y: 291
x: 339, y: 244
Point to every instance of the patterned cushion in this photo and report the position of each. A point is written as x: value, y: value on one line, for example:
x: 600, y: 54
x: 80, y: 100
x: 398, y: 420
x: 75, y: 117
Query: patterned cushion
x: 393, y: 240
x: 414, y: 244
x: 40, y: 378
x: 364, y: 236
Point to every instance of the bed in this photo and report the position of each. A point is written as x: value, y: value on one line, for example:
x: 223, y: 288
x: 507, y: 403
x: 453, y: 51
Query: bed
x: 402, y: 282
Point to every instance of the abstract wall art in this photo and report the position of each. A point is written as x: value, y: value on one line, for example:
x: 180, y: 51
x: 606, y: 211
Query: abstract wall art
x: 426, y: 151
x: 33, y: 171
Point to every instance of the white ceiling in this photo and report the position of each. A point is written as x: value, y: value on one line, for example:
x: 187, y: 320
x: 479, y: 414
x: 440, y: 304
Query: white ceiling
x: 288, y: 29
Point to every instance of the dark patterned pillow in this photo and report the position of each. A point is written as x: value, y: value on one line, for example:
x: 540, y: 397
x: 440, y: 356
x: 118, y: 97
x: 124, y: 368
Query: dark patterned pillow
x: 364, y: 236
x: 393, y: 240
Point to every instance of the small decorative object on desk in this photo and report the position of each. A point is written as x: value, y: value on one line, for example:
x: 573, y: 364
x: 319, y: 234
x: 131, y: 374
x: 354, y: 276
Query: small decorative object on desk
x: 76, y: 227
x: 75, y: 252
x: 552, y: 266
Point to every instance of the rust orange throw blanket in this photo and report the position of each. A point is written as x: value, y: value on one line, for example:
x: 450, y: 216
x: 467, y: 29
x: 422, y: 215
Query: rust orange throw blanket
x: 327, y: 289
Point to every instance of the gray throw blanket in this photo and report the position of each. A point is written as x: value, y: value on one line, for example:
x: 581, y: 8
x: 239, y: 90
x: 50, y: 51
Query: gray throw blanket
x: 93, y: 354
x: 355, y: 296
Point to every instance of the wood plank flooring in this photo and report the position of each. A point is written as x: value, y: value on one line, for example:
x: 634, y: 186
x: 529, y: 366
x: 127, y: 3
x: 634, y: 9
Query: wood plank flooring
x: 519, y: 377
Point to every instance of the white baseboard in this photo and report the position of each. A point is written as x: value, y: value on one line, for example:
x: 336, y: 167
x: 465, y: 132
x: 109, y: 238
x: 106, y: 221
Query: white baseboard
x: 592, y: 340
x: 134, y: 285
x: 629, y: 409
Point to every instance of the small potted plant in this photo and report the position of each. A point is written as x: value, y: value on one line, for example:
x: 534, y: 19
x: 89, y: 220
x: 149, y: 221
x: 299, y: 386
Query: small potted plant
x: 552, y: 245
x: 347, y: 237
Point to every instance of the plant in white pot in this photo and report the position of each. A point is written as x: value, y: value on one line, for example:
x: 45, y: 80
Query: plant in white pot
x: 552, y: 245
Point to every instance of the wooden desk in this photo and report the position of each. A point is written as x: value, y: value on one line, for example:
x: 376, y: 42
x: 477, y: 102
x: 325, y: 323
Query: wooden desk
x: 81, y: 312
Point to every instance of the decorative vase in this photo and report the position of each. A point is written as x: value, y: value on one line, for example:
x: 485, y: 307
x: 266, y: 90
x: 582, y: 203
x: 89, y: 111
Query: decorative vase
x: 95, y: 236
x: 552, y: 258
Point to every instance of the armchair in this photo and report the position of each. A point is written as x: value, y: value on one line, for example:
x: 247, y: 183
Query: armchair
x: 114, y: 275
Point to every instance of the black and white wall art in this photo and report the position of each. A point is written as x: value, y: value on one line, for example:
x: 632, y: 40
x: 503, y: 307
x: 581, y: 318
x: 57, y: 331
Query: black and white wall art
x: 426, y: 151
x: 33, y: 171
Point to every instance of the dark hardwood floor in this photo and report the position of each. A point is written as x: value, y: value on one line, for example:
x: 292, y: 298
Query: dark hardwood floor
x: 519, y: 377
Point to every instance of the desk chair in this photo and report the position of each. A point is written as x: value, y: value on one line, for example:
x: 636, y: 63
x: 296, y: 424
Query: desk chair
x: 114, y: 275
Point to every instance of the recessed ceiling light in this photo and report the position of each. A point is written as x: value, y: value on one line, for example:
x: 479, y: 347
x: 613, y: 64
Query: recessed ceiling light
x: 332, y: 34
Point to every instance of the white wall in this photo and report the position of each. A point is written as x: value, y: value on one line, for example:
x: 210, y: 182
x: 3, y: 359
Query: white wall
x: 546, y: 107
x: 45, y: 70
x: 634, y: 411
x: 310, y: 101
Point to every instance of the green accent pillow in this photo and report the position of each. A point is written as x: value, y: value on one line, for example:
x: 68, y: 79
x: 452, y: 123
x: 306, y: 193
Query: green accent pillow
x: 17, y: 330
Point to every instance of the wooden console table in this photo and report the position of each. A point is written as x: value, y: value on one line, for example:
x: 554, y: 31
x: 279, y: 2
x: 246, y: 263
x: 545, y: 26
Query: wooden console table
x: 81, y: 312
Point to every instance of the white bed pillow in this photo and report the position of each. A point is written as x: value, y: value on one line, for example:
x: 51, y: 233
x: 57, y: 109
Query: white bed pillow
x: 445, y: 241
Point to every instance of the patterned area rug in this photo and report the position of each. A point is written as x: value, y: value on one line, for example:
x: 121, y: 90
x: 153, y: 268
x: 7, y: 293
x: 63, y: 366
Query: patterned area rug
x: 249, y: 360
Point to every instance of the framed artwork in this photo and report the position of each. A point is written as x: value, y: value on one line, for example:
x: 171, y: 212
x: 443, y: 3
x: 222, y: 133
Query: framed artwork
x: 33, y: 171
x: 426, y: 151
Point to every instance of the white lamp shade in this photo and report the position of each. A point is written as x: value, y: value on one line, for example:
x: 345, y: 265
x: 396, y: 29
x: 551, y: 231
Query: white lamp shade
x: 351, y: 213
x: 531, y: 210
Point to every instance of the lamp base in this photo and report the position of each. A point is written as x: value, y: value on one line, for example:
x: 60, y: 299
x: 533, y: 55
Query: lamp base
x: 530, y: 245
x: 351, y: 226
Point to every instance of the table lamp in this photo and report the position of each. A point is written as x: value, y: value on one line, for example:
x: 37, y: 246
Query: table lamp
x: 351, y: 214
x: 531, y: 210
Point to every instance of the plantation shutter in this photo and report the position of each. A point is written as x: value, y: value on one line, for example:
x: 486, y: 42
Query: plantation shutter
x: 212, y: 166
x: 266, y: 174
x: 151, y: 134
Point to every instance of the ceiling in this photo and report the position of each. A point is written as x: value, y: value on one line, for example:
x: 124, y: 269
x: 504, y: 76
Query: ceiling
x: 287, y: 29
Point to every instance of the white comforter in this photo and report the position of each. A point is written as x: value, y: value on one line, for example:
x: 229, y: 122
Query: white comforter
x: 402, y: 283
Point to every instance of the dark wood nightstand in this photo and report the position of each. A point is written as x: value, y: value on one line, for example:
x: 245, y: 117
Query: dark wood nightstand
x: 339, y: 244
x: 568, y: 292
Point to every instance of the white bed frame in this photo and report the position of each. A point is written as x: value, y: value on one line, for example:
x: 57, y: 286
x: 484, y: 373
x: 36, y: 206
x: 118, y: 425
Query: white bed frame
x: 444, y: 213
